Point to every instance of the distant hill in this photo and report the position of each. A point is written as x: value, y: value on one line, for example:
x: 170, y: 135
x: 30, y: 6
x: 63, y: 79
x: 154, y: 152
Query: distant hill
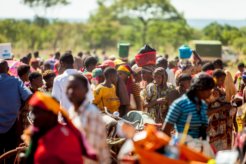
x: 201, y: 23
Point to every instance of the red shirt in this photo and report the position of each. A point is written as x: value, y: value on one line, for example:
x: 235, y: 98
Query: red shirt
x: 59, y: 145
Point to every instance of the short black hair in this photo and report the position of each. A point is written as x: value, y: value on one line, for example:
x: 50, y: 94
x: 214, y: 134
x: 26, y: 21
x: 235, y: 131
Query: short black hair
x: 240, y: 65
x: 57, y: 55
x: 80, y: 54
x: 207, y: 67
x: 108, y: 72
x: 183, y: 77
x: 36, y: 54
x: 162, y: 62
x: 218, y: 62
x: 81, y: 78
x: 67, y: 58
x: 25, y: 60
x: 219, y: 73
x: 90, y: 61
x: 29, y: 55
x: 48, y: 74
x: 23, y: 69
x: 34, y: 75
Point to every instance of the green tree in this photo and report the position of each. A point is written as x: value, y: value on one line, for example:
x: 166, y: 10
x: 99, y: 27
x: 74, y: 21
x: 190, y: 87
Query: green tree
x: 225, y: 33
x: 147, y: 11
x: 45, y: 3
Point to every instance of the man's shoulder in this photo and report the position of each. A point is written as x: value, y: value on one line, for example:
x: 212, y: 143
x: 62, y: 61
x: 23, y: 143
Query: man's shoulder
x: 12, y: 80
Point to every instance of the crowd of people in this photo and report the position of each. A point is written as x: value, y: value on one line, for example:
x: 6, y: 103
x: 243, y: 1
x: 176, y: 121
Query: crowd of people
x: 59, y: 103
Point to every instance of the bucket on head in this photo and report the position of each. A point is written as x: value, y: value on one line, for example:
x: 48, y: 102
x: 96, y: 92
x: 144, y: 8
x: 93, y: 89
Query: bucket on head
x: 123, y: 49
x: 185, y: 52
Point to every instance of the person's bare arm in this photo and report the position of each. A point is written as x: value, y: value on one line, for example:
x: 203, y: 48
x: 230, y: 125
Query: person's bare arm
x: 167, y: 127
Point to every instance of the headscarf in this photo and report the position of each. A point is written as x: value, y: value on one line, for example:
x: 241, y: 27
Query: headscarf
x: 107, y: 63
x: 148, y: 68
x: 126, y: 69
x: 136, y: 69
x: 146, y: 56
x: 45, y: 102
x: 118, y: 62
x: 97, y: 72
x: 161, y: 72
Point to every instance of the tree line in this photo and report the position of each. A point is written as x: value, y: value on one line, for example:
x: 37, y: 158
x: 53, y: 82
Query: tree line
x: 156, y: 22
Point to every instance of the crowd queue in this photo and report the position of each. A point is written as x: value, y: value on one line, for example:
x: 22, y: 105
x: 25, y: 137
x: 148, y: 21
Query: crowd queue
x: 59, y: 102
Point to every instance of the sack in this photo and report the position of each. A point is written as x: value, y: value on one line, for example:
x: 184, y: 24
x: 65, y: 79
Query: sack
x: 148, y: 58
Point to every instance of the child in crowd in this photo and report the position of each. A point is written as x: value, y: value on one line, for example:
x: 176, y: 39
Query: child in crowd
x: 23, y: 72
x: 90, y: 64
x: 36, y: 81
x: 183, y: 83
x: 48, y: 77
x: 239, y: 73
x: 97, y: 78
x: 105, y: 93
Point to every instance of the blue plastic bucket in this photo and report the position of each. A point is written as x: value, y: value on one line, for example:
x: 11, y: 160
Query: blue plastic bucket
x: 185, y: 52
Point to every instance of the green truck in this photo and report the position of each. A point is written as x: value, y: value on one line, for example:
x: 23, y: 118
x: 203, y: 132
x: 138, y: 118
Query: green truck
x: 212, y: 49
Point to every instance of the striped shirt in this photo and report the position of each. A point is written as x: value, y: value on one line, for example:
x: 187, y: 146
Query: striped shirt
x: 179, y: 111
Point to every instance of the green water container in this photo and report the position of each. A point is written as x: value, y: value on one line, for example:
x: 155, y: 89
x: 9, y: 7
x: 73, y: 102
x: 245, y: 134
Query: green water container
x: 123, y: 49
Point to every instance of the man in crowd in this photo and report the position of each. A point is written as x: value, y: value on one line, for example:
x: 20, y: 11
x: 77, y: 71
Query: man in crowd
x: 86, y: 117
x: 61, y: 81
x: 13, y: 94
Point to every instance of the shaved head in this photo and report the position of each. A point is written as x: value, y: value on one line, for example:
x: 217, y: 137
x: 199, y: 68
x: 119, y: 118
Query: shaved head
x: 4, y: 68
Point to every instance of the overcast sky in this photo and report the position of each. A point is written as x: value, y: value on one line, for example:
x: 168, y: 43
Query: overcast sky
x: 80, y: 9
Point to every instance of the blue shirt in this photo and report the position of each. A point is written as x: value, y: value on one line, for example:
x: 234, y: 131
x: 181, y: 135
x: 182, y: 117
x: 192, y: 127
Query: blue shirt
x: 179, y: 111
x: 12, y: 94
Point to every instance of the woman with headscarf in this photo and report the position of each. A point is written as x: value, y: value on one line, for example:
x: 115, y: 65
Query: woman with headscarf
x: 220, y: 121
x: 125, y: 73
x: 49, y: 141
x: 191, y: 103
x: 137, y: 73
x: 159, y: 95
x: 146, y: 79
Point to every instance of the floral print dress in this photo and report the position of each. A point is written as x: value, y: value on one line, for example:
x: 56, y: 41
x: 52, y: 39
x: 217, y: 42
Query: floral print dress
x: 220, y: 122
x: 154, y: 92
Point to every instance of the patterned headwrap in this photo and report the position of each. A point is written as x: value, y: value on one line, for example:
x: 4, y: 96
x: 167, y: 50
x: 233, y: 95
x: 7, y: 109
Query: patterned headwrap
x: 126, y: 69
x: 136, y: 68
x: 148, y: 68
x: 160, y: 71
x: 45, y: 102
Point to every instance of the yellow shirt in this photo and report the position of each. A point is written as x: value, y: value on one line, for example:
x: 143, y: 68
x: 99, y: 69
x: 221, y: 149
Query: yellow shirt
x: 106, y: 97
